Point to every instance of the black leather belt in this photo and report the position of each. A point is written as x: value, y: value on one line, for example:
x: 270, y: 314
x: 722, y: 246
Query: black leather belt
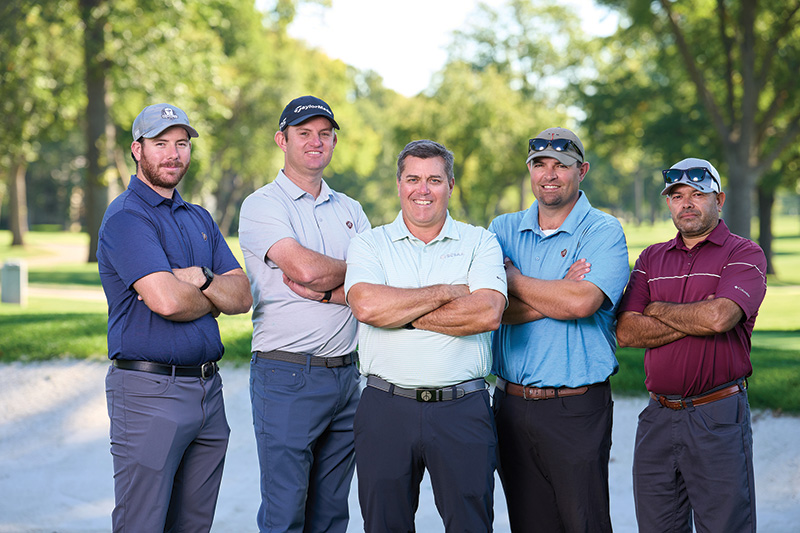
x: 328, y: 362
x: 443, y: 394
x: 205, y: 371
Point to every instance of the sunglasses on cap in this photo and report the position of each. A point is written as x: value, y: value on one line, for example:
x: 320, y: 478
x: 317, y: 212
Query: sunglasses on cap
x: 559, y: 145
x: 694, y: 174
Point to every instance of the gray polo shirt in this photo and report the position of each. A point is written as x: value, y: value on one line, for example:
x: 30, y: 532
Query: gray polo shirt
x: 282, y: 320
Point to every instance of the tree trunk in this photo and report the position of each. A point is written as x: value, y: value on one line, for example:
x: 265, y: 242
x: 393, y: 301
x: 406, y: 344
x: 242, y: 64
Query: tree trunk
x: 94, y: 15
x: 738, y: 210
x: 766, y: 200
x: 18, y: 203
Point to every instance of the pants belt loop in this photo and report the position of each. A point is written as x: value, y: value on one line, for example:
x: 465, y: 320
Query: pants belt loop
x: 308, y: 364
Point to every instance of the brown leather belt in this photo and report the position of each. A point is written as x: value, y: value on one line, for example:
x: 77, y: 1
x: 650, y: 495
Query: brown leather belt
x: 538, y: 393
x: 702, y: 399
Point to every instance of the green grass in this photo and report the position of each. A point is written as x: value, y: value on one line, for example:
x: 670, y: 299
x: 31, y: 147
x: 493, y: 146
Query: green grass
x: 60, y: 326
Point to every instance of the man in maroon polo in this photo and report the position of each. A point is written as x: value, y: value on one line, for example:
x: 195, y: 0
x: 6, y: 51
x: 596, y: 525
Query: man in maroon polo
x: 692, y: 303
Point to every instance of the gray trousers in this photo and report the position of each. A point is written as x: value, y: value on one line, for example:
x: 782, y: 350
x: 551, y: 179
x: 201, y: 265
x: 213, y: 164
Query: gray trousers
x: 695, y: 464
x: 169, y: 436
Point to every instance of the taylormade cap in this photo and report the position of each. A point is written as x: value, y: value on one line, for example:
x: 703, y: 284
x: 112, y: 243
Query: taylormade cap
x: 303, y: 108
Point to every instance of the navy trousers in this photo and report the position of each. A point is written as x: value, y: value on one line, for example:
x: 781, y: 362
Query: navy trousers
x: 554, y: 461
x: 398, y: 438
x: 169, y: 436
x: 303, y: 419
x: 695, y: 464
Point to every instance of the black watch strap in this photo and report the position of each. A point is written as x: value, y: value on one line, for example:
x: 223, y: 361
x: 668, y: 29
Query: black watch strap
x: 327, y: 296
x: 209, y: 274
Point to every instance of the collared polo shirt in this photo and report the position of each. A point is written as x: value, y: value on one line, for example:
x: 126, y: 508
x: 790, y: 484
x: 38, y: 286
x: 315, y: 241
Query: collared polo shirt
x: 142, y: 232
x: 283, y: 320
x: 391, y: 255
x: 724, y: 265
x: 562, y: 353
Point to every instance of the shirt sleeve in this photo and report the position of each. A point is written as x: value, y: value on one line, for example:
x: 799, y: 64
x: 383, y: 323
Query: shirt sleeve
x: 743, y: 279
x: 637, y: 294
x: 487, y: 270
x: 363, y: 262
x: 263, y: 221
x: 604, y: 247
x: 133, y: 248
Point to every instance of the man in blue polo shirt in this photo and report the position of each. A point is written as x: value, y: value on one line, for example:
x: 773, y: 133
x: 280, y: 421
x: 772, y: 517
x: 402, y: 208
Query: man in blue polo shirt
x: 554, y: 353
x: 167, y: 273
x: 428, y: 290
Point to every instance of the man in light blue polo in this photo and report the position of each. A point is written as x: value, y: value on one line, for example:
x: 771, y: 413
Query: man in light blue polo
x: 428, y: 291
x: 554, y: 353
x: 304, y: 382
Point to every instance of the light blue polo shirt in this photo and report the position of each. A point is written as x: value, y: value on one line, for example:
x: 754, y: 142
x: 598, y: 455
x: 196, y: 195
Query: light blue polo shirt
x: 282, y: 320
x: 391, y: 255
x: 568, y: 353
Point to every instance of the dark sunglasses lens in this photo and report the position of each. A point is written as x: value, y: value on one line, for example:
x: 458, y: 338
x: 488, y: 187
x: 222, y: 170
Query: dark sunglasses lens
x: 672, y: 175
x: 696, y: 174
x: 559, y: 145
x: 537, y: 145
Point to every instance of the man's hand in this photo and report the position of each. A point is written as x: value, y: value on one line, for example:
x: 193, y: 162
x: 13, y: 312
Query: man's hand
x: 302, y: 290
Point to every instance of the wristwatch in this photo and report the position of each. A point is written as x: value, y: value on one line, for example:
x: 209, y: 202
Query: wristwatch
x: 209, y: 278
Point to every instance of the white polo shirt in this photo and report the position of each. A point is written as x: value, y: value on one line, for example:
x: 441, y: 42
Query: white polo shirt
x: 282, y: 320
x: 391, y: 255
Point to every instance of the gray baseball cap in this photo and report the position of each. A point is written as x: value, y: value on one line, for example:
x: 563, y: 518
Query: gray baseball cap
x: 155, y: 118
x: 559, y: 143
x: 690, y: 163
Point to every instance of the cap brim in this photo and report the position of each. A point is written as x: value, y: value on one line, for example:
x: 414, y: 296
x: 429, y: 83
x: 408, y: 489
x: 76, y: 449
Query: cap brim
x: 307, y: 117
x: 696, y: 185
x: 565, y: 158
x: 155, y: 133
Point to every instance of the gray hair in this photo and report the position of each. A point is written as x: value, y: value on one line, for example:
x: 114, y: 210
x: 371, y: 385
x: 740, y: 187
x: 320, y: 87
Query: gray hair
x: 426, y: 149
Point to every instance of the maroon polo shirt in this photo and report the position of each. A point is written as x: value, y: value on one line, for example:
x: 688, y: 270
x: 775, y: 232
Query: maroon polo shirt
x: 725, y: 265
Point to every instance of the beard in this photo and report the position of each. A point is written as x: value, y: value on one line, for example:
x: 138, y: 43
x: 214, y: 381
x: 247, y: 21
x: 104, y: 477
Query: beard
x: 159, y: 175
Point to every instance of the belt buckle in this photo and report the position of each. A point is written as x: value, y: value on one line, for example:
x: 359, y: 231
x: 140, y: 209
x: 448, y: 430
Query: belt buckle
x: 428, y: 395
x: 207, y: 370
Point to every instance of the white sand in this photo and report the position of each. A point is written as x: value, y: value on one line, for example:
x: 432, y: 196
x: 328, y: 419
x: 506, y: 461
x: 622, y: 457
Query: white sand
x: 56, y: 474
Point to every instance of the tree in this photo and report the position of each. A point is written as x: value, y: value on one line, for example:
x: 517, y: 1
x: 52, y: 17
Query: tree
x: 38, y: 84
x: 741, y: 58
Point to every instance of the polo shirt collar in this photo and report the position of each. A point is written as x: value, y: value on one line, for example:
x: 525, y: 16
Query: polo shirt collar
x: 146, y: 193
x: 718, y: 236
x: 295, y: 192
x: 398, y: 230
x: 530, y: 220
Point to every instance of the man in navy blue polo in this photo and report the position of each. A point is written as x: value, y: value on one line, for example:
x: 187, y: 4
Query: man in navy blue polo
x: 167, y: 274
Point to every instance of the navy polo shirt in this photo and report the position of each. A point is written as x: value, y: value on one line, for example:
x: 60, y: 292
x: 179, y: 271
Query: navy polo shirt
x: 143, y: 232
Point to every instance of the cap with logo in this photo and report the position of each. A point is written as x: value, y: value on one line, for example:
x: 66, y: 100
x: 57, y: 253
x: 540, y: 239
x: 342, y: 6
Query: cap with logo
x: 303, y: 108
x: 704, y: 186
x: 156, y: 118
x: 567, y: 155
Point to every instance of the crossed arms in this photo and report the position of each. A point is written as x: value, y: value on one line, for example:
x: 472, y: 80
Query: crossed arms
x: 176, y: 295
x: 570, y: 298
x: 448, y: 309
x: 663, y: 322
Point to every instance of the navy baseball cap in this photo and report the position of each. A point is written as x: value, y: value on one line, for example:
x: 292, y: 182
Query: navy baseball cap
x: 301, y: 109
x: 158, y: 117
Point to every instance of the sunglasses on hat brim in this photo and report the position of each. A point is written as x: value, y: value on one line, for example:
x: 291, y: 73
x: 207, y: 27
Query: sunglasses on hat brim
x: 694, y: 174
x: 559, y: 145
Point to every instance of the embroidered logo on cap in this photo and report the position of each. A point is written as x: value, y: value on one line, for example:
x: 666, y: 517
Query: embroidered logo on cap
x: 169, y: 113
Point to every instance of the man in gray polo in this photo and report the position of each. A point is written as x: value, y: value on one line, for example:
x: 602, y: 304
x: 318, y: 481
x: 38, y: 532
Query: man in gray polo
x: 304, y: 383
